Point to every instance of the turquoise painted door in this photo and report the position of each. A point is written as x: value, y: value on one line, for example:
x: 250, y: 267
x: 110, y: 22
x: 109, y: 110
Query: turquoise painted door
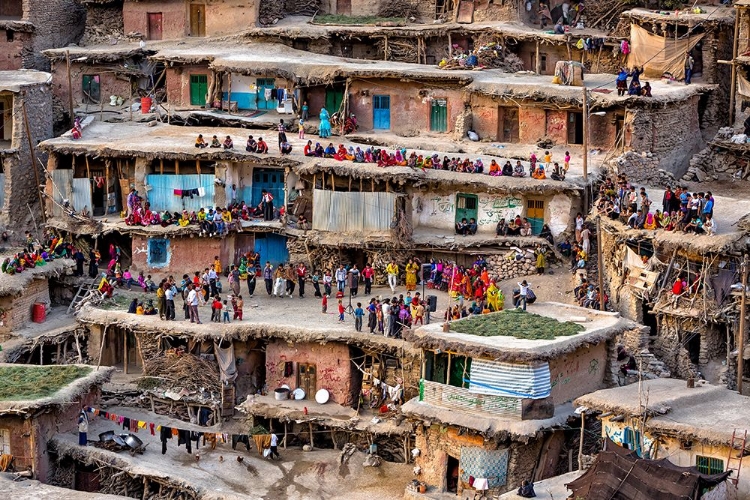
x: 535, y: 214
x: 263, y: 84
x: 381, y: 112
x: 439, y: 115
x: 272, y: 181
x: 272, y: 248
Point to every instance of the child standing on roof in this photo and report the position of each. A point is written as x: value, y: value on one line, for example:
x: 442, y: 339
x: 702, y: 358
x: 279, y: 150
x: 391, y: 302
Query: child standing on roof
x: 341, y: 311
x: 226, y: 312
x: 301, y: 128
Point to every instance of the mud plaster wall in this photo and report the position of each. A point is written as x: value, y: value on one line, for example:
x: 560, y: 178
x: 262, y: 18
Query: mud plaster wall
x: 12, y: 53
x: 439, y: 211
x: 672, y: 132
x: 597, y: 62
x: 622, y: 299
x: 489, y: 10
x: 669, y: 346
x: 250, y: 368
x: 410, y: 111
x: 436, y: 443
x: 29, y: 436
x: 578, y: 373
x: 109, y: 84
x: 20, y: 181
x: 227, y: 16
x: 19, y: 309
x: 185, y: 255
x: 332, y: 362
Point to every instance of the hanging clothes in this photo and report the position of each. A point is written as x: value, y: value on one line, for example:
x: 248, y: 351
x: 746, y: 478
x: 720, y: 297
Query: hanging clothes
x: 240, y: 438
x: 164, y: 434
x: 183, y: 437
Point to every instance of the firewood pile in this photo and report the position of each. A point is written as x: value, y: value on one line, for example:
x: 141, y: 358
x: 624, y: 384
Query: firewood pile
x: 489, y: 53
x: 399, y: 8
x: 302, y: 7
x: 113, y: 481
x: 187, y: 371
x: 400, y: 50
x: 604, y: 14
x: 271, y: 12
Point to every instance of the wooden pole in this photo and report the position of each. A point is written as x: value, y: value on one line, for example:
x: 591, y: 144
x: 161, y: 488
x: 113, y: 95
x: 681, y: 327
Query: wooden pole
x: 33, y: 161
x: 385, y: 49
x: 125, y: 352
x: 585, y: 135
x: 580, y: 444
x: 285, y: 433
x: 733, y: 84
x: 600, y: 260
x: 131, y: 101
x: 312, y: 445
x: 101, y: 347
x: 741, y: 333
x: 538, y: 61
x: 41, y: 353
x: 70, y: 89
x: 450, y: 46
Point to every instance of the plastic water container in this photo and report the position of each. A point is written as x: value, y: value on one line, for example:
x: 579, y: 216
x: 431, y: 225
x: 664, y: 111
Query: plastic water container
x: 38, y: 312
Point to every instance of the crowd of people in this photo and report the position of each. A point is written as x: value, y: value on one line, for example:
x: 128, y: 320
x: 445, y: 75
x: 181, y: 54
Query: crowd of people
x: 681, y: 209
x: 400, y: 157
x: 212, y: 221
x: 36, y: 254
x: 634, y: 87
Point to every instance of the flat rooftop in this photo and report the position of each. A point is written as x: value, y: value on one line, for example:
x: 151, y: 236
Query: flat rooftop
x: 706, y: 412
x: 14, y: 81
x: 598, y: 326
x: 261, y: 59
x: 719, y: 14
x: 25, y: 387
x: 34, y: 490
x: 487, y: 423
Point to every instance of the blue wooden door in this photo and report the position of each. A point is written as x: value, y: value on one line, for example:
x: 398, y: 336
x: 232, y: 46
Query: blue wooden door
x: 381, y: 112
x: 272, y: 248
x: 272, y: 181
x: 263, y: 102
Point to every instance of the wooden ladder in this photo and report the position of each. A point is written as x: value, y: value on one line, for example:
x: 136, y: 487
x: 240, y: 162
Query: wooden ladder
x: 85, y: 292
x: 734, y: 463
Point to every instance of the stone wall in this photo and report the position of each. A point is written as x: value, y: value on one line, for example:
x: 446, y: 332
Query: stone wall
x: 502, y: 268
x: 103, y: 23
x: 671, y: 132
x: 57, y: 23
x: 716, y: 162
x: 642, y: 168
x: 20, y: 180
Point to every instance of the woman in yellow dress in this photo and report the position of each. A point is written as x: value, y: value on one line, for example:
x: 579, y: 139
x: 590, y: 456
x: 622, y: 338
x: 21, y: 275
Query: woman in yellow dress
x: 411, y: 275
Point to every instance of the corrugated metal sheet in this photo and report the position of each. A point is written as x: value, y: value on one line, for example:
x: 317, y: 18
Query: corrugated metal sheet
x: 2, y: 190
x: 62, y: 189
x: 510, y: 379
x: 82, y: 195
x: 352, y: 212
x: 161, y: 193
x: 448, y: 396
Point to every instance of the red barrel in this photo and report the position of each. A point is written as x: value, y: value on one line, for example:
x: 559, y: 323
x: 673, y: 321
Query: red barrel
x: 145, y: 105
x: 38, y: 313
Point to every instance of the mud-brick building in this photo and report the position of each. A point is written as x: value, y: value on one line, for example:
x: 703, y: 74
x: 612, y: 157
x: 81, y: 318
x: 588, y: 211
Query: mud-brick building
x: 30, y: 26
x: 493, y: 407
x: 703, y: 426
x: 695, y: 333
x: 25, y: 104
x: 161, y: 163
x: 46, y: 400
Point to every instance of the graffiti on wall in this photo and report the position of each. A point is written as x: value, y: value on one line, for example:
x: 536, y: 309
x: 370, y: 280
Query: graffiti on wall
x: 442, y: 204
x: 493, y: 208
x: 630, y: 438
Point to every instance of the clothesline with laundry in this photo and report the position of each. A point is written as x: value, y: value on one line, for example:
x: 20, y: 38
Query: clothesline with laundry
x: 195, y: 192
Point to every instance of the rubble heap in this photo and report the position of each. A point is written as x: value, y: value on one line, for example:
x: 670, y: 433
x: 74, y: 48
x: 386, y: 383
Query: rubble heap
x: 717, y: 161
x: 642, y: 168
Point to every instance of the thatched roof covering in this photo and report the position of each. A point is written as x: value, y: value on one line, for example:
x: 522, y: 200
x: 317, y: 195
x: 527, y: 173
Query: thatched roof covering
x: 330, y: 415
x: 20, y: 26
x: 713, y: 16
x: 34, y: 490
x: 435, y: 238
x: 706, y: 413
x: 15, y: 81
x: 499, y: 428
x: 599, y: 327
x: 15, y: 284
x: 286, y: 327
x: 99, y: 53
x: 161, y: 141
x: 62, y: 397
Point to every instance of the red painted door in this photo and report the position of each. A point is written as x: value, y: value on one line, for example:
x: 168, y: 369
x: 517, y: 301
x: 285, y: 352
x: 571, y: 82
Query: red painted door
x: 154, y: 25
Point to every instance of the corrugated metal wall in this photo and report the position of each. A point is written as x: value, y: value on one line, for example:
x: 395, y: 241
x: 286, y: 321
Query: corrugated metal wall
x: 2, y: 190
x: 352, y: 212
x: 510, y: 379
x: 82, y: 195
x: 62, y: 189
x: 162, y: 197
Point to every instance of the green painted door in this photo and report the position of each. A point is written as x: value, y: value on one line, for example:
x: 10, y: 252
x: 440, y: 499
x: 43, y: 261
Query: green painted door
x: 198, y: 90
x: 439, y: 115
x: 264, y: 102
x: 334, y: 98
x: 466, y: 207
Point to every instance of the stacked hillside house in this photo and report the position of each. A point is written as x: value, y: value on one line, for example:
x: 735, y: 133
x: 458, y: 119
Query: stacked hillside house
x: 496, y: 407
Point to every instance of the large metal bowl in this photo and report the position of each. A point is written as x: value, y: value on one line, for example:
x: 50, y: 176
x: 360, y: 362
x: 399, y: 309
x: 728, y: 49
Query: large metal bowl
x: 106, y: 436
x: 132, y: 441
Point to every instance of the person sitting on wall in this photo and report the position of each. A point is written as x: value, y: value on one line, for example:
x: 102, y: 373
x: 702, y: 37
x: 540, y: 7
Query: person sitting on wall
x: 228, y: 144
x: 539, y: 172
x: 462, y: 227
x: 472, y: 226
x: 251, y: 146
x: 77, y: 131
x: 286, y: 148
x: 508, y: 169
x: 262, y: 146
x: 330, y: 151
x: 215, y: 142
x: 646, y: 90
x: 495, y: 168
x: 518, y: 171
x: 200, y: 142
x: 308, y: 150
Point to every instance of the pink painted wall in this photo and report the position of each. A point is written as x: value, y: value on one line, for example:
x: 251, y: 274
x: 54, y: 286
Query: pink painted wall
x: 557, y: 126
x: 174, y: 17
x: 332, y: 362
x: 532, y: 124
